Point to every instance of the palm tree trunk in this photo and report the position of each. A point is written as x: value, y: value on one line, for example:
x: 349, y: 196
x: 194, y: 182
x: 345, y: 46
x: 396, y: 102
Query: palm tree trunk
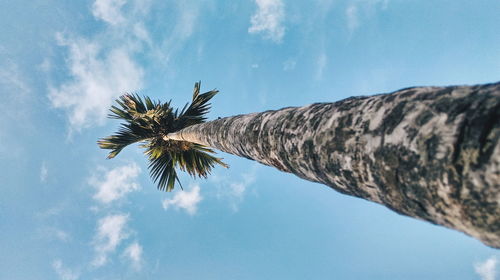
x: 432, y: 153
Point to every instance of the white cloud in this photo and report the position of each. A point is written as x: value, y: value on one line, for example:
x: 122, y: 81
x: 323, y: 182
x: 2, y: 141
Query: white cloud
x: 109, y: 11
x: 110, y: 232
x: 63, y: 272
x: 487, y: 269
x: 44, y: 172
x: 268, y: 19
x: 134, y: 253
x: 103, y: 68
x: 186, y: 200
x: 116, y: 183
x: 97, y: 79
x: 352, y: 17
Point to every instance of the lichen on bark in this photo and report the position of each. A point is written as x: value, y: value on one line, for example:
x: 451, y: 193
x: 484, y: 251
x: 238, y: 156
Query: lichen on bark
x: 432, y: 153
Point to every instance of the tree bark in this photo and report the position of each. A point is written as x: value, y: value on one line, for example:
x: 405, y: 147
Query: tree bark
x: 432, y: 153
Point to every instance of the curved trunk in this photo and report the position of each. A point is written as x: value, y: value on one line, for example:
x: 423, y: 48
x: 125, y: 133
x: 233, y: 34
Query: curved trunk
x: 432, y: 153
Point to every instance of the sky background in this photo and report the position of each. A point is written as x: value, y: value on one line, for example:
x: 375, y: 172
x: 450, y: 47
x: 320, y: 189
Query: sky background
x: 68, y: 213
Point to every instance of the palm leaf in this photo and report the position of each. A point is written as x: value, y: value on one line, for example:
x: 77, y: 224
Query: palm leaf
x: 195, y: 113
x: 162, y: 170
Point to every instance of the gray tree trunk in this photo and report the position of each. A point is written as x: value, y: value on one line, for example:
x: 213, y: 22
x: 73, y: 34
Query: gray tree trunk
x: 432, y: 153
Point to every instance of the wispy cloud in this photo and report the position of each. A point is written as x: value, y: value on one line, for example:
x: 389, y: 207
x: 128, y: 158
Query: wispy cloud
x: 60, y: 234
x: 185, y: 200
x: 384, y: 3
x: 289, y: 64
x: 12, y: 79
x: 53, y: 233
x: 64, y: 273
x: 125, y: 22
x: 268, y: 20
x: 116, y: 183
x: 98, y: 77
x: 186, y: 22
x: 321, y: 63
x: 142, y: 33
x: 44, y: 172
x: 358, y: 9
x: 134, y: 253
x: 234, y: 190
x: 52, y: 212
x: 487, y: 269
x: 111, y: 230
x: 109, y: 11
x: 352, y: 17
x: 187, y: 14
x: 15, y: 107
x: 45, y: 66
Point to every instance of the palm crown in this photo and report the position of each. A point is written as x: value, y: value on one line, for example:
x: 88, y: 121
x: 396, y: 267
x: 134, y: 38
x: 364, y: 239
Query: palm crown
x: 148, y: 121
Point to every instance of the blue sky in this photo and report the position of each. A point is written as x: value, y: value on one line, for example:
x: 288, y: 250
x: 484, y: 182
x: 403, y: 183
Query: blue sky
x: 68, y: 213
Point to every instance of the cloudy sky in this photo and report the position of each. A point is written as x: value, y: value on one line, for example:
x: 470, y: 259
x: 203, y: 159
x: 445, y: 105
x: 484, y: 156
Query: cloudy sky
x: 68, y: 213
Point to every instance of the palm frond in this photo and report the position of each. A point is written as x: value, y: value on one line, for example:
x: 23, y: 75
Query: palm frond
x: 141, y: 123
x: 125, y: 136
x: 195, y: 113
x: 162, y: 170
x: 197, y: 161
x: 147, y: 121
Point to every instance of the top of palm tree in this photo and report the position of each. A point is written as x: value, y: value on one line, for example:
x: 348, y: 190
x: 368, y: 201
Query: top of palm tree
x: 147, y: 121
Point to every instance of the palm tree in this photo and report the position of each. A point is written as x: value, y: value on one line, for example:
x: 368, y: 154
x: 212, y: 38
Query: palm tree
x: 432, y: 153
x: 148, y: 122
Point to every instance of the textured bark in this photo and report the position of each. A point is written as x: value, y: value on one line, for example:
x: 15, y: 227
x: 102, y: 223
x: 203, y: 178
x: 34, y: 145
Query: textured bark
x: 432, y: 153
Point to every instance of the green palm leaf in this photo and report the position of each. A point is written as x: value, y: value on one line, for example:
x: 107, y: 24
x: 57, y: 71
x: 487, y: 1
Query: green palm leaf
x: 195, y: 113
x: 147, y: 121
